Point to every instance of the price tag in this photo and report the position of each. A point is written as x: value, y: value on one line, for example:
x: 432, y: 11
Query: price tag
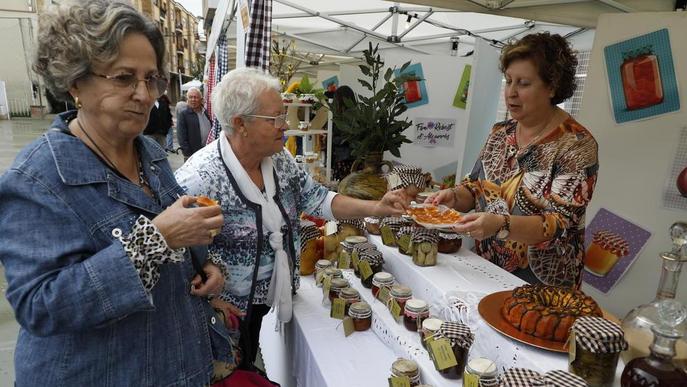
x: 404, y: 242
x: 399, y: 381
x: 442, y: 354
x: 393, y: 180
x: 571, y: 347
x: 338, y: 309
x: 330, y: 228
x: 348, y: 326
x: 344, y: 260
x: 470, y: 380
x: 388, y: 236
x: 365, y: 269
x: 326, y: 285
x: 384, y: 294
x: 319, y: 277
x: 395, y: 309
x: 354, y: 260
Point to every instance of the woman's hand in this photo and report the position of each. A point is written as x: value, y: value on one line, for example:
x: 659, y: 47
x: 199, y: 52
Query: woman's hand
x: 393, y: 203
x: 232, y: 314
x: 214, y: 284
x: 183, y: 225
x: 479, y: 225
x: 446, y: 197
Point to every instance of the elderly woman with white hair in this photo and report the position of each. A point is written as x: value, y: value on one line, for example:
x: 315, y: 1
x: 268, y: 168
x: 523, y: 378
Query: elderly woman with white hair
x: 262, y: 192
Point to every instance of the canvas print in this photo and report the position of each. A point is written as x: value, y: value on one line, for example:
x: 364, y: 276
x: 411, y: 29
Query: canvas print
x: 331, y: 83
x: 415, y: 90
x: 612, y: 244
x: 641, y: 77
x: 461, y: 98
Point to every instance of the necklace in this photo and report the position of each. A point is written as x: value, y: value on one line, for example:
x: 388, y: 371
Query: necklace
x: 541, y: 131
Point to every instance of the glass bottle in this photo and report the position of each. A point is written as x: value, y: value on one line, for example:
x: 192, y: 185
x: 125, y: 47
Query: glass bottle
x: 637, y: 324
x: 658, y: 369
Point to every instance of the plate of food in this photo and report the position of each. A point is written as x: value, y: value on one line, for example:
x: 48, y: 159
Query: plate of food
x: 432, y: 216
x: 537, y: 315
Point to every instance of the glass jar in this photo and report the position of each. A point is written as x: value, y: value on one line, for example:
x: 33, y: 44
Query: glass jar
x: 361, y: 313
x: 389, y: 227
x: 372, y: 225
x: 310, y: 248
x: 460, y: 337
x: 357, y: 249
x: 409, y: 368
x: 337, y: 285
x: 351, y: 227
x: 332, y: 273
x: 381, y: 280
x: 321, y: 266
x: 375, y: 260
x: 424, y: 247
x: 414, y: 313
x: 348, y: 244
x: 350, y: 296
x: 401, y: 294
x: 449, y: 242
x: 480, y: 372
x: 403, y: 240
x: 596, y: 349
x: 430, y: 327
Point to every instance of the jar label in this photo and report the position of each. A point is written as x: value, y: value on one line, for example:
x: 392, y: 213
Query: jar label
x: 348, y: 325
x: 404, y: 242
x: 344, y: 261
x: 384, y: 294
x: 571, y: 347
x: 388, y: 237
x: 319, y: 277
x: 399, y: 381
x: 395, y: 309
x: 470, y: 380
x: 326, y: 285
x: 338, y: 309
x: 442, y: 354
x: 365, y: 269
x: 354, y: 260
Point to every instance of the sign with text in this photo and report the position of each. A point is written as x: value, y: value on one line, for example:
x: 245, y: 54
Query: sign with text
x: 434, y: 131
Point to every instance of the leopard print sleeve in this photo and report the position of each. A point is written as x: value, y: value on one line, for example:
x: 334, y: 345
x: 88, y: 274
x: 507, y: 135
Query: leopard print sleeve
x: 147, y: 249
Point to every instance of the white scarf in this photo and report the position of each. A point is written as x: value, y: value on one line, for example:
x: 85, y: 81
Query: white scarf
x: 279, y: 293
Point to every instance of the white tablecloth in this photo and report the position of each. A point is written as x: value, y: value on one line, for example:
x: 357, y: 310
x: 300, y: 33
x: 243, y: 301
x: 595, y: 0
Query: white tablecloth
x: 318, y: 354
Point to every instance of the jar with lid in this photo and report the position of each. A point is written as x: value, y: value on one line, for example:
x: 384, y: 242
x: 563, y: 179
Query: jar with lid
x: 409, y: 368
x: 389, y: 227
x: 381, y: 280
x: 357, y: 249
x: 372, y: 225
x: 361, y: 314
x: 320, y: 266
x: 311, y: 249
x: 350, y: 227
x: 595, y: 350
x: 460, y: 337
x: 449, y: 242
x: 480, y: 372
x: 414, y: 313
x: 401, y: 294
x: 332, y: 273
x: 348, y: 244
x: 337, y: 285
x: 403, y: 240
x: 375, y: 260
x: 430, y: 328
x: 424, y: 247
x: 350, y: 296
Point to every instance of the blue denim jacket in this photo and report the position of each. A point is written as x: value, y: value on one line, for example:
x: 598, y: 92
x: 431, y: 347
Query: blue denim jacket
x: 85, y: 317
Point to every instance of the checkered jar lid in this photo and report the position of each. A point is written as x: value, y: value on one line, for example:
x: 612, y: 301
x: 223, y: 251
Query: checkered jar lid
x: 424, y: 235
x: 406, y: 230
x: 308, y: 232
x: 522, y: 377
x: 394, y: 223
x: 359, y: 247
x: 457, y: 333
x: 357, y: 223
x: 374, y: 257
x: 598, y: 335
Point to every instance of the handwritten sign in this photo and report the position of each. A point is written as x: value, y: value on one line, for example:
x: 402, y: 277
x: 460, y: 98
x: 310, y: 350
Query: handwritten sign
x: 434, y: 131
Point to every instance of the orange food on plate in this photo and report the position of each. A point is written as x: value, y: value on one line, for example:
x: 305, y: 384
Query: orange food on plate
x: 434, y: 215
x: 205, y: 201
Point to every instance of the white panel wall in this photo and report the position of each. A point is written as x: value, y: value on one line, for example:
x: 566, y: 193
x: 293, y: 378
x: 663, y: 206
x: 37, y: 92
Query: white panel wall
x: 635, y: 157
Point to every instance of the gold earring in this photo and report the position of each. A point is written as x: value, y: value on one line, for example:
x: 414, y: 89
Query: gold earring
x: 244, y: 133
x: 78, y: 103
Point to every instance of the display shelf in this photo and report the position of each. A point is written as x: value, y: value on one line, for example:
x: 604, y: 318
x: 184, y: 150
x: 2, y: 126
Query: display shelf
x: 306, y: 134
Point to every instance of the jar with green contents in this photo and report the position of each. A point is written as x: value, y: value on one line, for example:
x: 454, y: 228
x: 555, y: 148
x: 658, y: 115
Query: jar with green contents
x: 460, y: 338
x: 424, y: 247
x: 595, y: 346
x: 389, y: 227
x: 375, y: 261
x: 357, y: 249
x: 409, y: 368
x: 403, y: 240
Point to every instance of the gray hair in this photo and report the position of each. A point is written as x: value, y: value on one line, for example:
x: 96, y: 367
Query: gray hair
x: 237, y: 94
x: 193, y: 88
x: 74, y: 36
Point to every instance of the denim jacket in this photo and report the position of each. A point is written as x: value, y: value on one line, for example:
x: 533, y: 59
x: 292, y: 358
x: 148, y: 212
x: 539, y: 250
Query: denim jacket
x: 86, y: 319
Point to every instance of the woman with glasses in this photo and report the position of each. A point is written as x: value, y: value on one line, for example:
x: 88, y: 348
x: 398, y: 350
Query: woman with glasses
x: 262, y: 192
x: 95, y: 231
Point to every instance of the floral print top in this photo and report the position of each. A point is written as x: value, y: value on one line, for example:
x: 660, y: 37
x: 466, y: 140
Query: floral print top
x: 553, y: 178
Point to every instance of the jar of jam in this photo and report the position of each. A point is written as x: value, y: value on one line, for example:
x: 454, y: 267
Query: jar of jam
x: 389, y: 227
x: 449, y: 242
x: 375, y: 260
x: 480, y: 372
x: 414, y: 313
x: 595, y: 345
x: 403, y: 240
x: 372, y: 225
x: 460, y: 337
x: 351, y: 227
x: 430, y: 327
x: 641, y: 78
x: 337, y: 285
x: 332, y: 273
x: 425, y: 247
x: 401, y: 294
x: 310, y: 248
x: 409, y: 368
x: 381, y: 280
x: 361, y: 314
x: 350, y: 296
x: 320, y: 266
x: 357, y: 249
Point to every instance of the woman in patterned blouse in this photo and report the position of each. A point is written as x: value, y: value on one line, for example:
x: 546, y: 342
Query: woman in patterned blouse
x: 536, y: 173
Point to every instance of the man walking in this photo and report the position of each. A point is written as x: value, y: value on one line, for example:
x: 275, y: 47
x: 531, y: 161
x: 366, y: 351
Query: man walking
x: 193, y: 124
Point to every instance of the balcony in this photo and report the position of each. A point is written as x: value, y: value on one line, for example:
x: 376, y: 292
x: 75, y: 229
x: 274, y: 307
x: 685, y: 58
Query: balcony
x: 179, y: 27
x: 182, y: 70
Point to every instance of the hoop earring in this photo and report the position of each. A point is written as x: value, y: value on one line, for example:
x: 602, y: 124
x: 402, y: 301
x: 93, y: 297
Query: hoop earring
x: 78, y: 103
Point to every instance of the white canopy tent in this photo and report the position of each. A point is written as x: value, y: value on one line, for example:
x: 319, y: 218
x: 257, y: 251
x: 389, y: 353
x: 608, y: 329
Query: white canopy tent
x: 192, y: 83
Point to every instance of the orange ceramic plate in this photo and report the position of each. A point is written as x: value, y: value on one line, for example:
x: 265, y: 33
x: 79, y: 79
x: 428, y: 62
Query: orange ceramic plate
x: 205, y: 201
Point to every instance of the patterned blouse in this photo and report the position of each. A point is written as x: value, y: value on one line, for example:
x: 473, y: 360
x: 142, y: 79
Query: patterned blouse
x: 554, y: 178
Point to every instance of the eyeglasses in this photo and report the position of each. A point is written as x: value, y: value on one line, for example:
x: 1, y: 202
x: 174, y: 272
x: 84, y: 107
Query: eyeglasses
x: 155, y: 84
x: 279, y: 121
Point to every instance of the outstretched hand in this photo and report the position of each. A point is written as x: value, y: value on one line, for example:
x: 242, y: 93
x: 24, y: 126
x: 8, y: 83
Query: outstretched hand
x: 393, y: 203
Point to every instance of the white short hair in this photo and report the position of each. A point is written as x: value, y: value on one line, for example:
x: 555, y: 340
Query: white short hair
x: 237, y: 94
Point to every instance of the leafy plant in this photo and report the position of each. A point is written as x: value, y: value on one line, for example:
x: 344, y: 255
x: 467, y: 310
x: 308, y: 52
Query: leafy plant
x: 372, y: 124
